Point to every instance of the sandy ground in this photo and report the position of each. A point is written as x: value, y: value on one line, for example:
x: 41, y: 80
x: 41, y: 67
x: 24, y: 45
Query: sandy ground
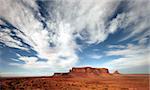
x: 108, y: 82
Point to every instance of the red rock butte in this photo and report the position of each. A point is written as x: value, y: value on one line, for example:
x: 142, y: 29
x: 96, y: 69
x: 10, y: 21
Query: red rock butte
x: 84, y: 71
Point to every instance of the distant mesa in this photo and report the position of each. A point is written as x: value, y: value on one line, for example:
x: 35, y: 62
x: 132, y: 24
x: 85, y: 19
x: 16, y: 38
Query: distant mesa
x: 89, y: 70
x: 61, y: 74
x: 116, y: 72
x: 85, y: 72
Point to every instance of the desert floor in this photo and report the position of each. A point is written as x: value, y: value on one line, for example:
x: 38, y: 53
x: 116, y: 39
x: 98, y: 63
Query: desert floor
x: 109, y: 82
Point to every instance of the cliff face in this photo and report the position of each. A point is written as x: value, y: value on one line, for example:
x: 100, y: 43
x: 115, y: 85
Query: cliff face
x: 90, y: 70
x: 85, y: 71
x: 116, y: 72
x: 61, y: 74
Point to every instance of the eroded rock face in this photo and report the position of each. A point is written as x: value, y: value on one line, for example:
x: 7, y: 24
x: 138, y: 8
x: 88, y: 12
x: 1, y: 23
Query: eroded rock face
x: 61, y: 74
x: 85, y: 71
x: 116, y: 72
x: 90, y: 70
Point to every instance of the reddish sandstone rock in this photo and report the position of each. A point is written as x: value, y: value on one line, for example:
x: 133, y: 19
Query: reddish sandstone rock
x: 90, y: 70
x: 81, y: 70
x: 84, y: 72
x: 116, y: 72
x: 103, y: 70
x: 61, y: 74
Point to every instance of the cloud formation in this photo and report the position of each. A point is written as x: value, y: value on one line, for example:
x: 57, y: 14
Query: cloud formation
x: 95, y: 56
x: 52, y: 33
x: 131, y: 57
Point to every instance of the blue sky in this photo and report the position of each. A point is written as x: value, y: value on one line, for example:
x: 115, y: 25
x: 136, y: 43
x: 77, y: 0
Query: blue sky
x: 39, y: 37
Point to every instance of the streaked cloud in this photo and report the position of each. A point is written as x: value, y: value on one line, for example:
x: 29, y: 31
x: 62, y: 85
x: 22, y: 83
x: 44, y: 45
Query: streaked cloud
x: 116, y: 46
x: 131, y: 57
x: 60, y: 33
x: 95, y: 56
x: 52, y: 32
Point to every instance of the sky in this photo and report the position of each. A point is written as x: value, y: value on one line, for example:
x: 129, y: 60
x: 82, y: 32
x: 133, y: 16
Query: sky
x: 40, y: 37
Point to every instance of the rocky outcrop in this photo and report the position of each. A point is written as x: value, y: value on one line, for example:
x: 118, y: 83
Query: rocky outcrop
x: 60, y: 74
x: 116, y: 72
x: 84, y: 71
x: 89, y: 70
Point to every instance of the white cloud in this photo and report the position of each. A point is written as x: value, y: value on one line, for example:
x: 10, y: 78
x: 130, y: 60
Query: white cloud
x: 117, y: 22
x: 9, y: 41
x: 131, y: 56
x: 138, y: 16
x: 80, y: 14
x: 88, y: 19
x: 95, y: 56
x: 130, y: 50
x: 29, y: 60
x: 128, y: 62
x: 116, y: 46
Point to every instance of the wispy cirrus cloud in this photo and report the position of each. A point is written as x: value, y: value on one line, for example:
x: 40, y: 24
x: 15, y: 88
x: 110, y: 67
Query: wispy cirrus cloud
x: 58, y: 38
x: 116, y: 46
x: 52, y: 31
x: 95, y: 56
x: 131, y: 57
x: 136, y: 19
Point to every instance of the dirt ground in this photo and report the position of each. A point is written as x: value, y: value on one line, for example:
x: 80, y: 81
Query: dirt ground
x: 109, y: 82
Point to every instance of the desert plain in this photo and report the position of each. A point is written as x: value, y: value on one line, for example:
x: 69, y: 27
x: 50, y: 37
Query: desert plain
x: 83, y: 78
